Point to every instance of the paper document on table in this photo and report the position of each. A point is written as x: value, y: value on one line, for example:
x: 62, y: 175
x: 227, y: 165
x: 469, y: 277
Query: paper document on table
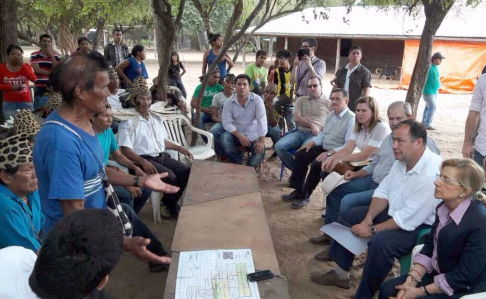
x: 216, y: 274
x: 343, y: 235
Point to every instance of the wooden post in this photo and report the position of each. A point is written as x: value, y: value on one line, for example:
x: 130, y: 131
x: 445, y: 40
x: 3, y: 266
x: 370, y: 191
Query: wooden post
x: 338, y: 54
x: 270, y: 47
x: 286, y: 43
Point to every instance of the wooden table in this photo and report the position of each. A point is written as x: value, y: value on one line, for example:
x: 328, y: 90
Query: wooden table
x: 223, y: 209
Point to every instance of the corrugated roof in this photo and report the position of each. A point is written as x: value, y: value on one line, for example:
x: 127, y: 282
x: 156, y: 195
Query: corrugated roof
x: 371, y: 22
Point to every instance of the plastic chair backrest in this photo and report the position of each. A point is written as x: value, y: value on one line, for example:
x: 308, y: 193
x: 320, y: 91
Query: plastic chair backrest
x: 406, y: 260
x: 173, y: 125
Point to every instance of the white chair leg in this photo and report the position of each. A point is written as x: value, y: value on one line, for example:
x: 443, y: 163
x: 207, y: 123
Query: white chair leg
x: 155, y: 198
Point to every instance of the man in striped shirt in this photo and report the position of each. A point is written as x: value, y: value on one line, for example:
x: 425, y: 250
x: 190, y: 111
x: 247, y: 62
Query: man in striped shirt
x: 42, y: 62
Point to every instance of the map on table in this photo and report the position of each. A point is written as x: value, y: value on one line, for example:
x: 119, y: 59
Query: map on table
x: 218, y: 274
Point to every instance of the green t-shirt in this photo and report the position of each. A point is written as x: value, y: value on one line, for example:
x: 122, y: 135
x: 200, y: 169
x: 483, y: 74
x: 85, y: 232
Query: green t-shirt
x: 256, y: 74
x: 108, y: 143
x: 432, y: 84
x: 209, y: 93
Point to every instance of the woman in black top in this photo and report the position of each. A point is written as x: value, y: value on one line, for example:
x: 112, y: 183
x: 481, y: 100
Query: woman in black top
x: 175, y: 73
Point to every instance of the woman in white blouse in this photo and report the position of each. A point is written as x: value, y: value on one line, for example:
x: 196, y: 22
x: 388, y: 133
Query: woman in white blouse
x: 369, y: 132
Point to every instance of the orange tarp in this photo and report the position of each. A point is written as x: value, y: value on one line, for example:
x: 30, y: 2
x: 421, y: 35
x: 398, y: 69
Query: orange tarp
x: 458, y: 72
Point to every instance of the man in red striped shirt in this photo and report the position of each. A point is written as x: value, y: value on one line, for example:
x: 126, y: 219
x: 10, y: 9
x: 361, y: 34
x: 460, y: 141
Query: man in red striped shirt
x: 42, y: 62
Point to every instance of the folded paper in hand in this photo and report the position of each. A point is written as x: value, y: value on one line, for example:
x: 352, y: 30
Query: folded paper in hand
x: 343, y: 235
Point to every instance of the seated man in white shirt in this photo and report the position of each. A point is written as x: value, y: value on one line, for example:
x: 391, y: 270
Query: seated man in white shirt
x: 402, y: 205
x: 88, y: 245
x: 142, y: 139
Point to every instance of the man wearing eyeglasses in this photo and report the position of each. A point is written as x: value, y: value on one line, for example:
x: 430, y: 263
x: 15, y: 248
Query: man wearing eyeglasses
x: 306, y: 67
x: 116, y: 51
x: 402, y: 205
x: 309, y: 115
x: 354, y: 77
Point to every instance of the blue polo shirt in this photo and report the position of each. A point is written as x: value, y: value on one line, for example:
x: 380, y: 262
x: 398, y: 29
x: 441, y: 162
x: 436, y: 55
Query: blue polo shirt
x: 19, y: 223
x: 66, y: 169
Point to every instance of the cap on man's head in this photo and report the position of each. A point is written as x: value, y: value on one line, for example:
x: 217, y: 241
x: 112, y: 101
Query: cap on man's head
x: 271, y: 87
x: 438, y: 55
x: 15, y: 151
x: 54, y: 102
x: 25, y: 122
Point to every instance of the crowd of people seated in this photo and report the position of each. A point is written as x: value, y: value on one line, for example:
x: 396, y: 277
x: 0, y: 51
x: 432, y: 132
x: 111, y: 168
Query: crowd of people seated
x: 59, y: 192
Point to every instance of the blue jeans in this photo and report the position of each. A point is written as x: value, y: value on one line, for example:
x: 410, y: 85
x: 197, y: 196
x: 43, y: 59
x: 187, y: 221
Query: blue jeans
x: 479, y: 158
x: 40, y: 97
x: 178, y: 83
x: 126, y: 197
x: 229, y: 143
x: 383, y: 248
x: 274, y: 134
x: 351, y: 193
x: 430, y: 106
x: 217, y: 130
x: 203, y: 118
x: 291, y: 141
x: 10, y: 108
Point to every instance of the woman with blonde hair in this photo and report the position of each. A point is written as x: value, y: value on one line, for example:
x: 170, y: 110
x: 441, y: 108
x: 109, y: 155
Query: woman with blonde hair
x: 452, y: 262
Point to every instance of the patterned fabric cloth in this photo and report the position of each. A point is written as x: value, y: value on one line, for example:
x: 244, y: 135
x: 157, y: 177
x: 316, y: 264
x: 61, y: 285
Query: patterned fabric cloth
x: 15, y: 151
x: 25, y: 122
x: 271, y: 87
x: 54, y: 102
x: 139, y: 87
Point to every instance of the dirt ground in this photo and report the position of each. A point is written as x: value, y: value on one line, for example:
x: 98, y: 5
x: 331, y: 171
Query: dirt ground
x: 290, y: 229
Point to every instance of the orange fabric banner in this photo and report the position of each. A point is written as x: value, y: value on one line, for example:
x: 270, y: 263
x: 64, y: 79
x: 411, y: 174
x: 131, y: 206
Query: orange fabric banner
x: 460, y: 69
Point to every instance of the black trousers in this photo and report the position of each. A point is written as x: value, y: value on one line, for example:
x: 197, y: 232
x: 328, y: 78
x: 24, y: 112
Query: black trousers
x: 388, y: 289
x: 178, y: 176
x: 298, y: 180
x: 383, y: 248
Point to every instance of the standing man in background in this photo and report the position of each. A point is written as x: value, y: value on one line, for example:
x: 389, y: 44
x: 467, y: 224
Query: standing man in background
x: 306, y: 67
x: 42, y: 62
x: 354, y: 77
x: 431, y: 89
x: 116, y: 52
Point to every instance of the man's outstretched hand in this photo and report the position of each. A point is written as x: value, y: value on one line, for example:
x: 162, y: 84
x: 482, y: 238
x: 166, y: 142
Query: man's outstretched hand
x: 154, y: 182
x: 138, y: 247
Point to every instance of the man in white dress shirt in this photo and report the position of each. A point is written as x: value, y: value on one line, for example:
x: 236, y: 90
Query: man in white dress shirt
x: 142, y: 139
x: 402, y: 205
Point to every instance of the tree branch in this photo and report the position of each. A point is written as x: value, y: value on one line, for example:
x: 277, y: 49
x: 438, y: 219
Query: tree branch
x: 26, y: 38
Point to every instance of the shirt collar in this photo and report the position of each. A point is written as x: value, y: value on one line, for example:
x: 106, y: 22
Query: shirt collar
x: 4, y: 190
x: 234, y: 97
x: 444, y: 213
x: 354, y: 68
x: 340, y: 115
x: 419, y: 166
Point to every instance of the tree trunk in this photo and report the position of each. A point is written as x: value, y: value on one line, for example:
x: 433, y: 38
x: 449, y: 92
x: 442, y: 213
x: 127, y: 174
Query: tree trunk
x: 100, y: 26
x: 204, y: 15
x: 435, y: 12
x: 166, y: 27
x: 234, y: 19
x: 8, y: 32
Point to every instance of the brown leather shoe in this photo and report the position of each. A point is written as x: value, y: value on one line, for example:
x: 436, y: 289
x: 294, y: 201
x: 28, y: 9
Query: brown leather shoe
x: 330, y: 279
x: 323, y: 255
x: 322, y: 239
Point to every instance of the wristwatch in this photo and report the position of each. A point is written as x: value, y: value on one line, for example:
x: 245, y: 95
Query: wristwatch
x: 329, y: 153
x: 373, y: 230
x: 135, y: 181
x: 340, y: 161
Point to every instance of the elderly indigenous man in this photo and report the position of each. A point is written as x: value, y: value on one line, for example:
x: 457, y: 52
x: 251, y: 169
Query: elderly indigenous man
x: 477, y: 114
x: 306, y: 67
x: 338, y: 129
x: 309, y: 115
x: 362, y: 183
x: 74, y: 261
x: 68, y: 156
x: 402, y: 205
x: 354, y: 77
x: 21, y: 218
x: 143, y: 139
x: 245, y: 123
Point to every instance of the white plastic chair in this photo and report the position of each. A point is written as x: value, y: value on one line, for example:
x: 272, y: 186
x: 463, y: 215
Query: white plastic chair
x: 155, y: 198
x: 475, y: 296
x: 173, y: 125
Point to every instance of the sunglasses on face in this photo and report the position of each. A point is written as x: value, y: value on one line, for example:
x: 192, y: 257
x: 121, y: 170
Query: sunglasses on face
x: 312, y: 86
